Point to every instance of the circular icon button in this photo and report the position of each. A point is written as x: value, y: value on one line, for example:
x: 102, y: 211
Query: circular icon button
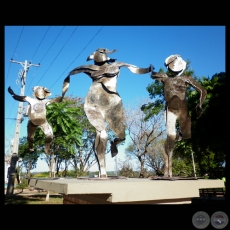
x: 219, y: 220
x: 201, y: 220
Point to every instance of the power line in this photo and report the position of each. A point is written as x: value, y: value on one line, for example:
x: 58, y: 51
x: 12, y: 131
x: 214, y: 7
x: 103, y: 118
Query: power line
x: 77, y: 56
x: 45, y: 55
x: 40, y: 43
x: 58, y: 54
x: 15, y: 51
x: 18, y: 40
x: 51, y: 45
x: 22, y: 119
x: 10, y: 66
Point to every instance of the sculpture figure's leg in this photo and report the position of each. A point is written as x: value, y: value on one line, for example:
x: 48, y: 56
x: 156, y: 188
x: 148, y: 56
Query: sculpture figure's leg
x: 47, y: 130
x: 185, y: 123
x: 30, y: 135
x: 100, y: 149
x: 115, y: 120
x: 170, y: 117
x: 96, y: 118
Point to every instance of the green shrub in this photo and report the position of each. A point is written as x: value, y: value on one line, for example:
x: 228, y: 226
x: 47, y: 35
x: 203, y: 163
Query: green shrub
x: 23, y: 184
x: 42, y: 175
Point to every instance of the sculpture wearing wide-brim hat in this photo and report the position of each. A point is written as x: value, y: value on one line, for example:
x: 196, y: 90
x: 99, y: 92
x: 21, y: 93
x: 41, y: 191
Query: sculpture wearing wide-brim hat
x: 176, y: 107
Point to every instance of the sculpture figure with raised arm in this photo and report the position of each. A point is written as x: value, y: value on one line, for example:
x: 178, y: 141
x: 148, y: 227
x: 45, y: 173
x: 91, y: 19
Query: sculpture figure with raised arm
x: 176, y: 107
x: 37, y: 114
x: 103, y: 103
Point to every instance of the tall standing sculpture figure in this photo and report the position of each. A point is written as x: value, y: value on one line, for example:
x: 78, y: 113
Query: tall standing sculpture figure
x: 176, y: 107
x: 103, y: 103
x: 37, y: 114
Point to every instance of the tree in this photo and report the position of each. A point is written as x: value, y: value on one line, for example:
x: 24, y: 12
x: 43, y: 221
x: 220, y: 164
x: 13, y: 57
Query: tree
x: 154, y: 159
x: 209, y: 141
x: 29, y: 160
x: 65, y: 119
x: 84, y: 157
x: 126, y: 168
x: 182, y: 167
x: 142, y: 133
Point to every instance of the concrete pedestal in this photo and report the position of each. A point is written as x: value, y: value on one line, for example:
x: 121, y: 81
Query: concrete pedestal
x: 125, y: 190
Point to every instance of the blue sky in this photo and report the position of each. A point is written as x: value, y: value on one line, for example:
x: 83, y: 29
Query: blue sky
x: 59, y: 49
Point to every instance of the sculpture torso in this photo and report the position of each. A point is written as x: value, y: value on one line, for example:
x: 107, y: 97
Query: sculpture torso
x: 103, y: 91
x: 37, y: 110
x: 175, y: 92
x: 175, y: 89
x: 175, y: 86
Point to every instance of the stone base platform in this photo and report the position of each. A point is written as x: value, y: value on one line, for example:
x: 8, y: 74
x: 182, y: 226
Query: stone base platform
x: 121, y: 190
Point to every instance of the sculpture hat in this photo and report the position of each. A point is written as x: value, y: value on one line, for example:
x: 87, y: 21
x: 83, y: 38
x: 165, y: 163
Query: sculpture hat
x: 100, y: 55
x: 175, y: 64
x: 41, y: 92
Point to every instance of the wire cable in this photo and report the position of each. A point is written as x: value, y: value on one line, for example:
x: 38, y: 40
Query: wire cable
x: 58, y: 54
x: 77, y: 56
x: 8, y: 130
x: 29, y: 87
x: 40, y: 43
x: 14, y: 52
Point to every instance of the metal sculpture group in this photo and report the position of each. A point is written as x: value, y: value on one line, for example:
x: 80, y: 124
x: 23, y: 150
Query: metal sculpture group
x: 103, y: 104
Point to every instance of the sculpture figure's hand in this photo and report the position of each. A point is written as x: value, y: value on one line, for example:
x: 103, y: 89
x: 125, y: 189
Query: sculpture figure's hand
x: 151, y: 67
x: 198, y: 110
x: 65, y: 85
x: 11, y: 91
x: 112, y: 60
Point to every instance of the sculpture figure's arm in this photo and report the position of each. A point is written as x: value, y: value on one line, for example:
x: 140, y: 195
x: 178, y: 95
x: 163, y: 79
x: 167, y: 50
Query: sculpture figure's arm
x: 135, y: 69
x: 57, y: 99
x: 87, y: 69
x: 159, y: 76
x: 200, y: 90
x: 17, y: 97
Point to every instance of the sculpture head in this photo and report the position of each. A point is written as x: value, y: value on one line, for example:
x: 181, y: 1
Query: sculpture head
x: 175, y: 64
x: 41, y: 92
x: 100, y: 55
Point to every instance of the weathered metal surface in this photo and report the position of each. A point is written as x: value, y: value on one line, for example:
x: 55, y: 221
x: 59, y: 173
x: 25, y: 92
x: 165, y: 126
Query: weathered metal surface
x: 176, y: 107
x: 103, y: 103
x: 37, y: 114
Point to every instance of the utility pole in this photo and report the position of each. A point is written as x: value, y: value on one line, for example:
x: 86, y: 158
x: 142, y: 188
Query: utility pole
x: 116, y: 165
x: 12, y: 173
x: 194, y: 169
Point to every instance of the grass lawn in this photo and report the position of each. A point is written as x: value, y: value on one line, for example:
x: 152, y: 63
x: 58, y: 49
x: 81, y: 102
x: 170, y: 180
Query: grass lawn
x: 37, y: 198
